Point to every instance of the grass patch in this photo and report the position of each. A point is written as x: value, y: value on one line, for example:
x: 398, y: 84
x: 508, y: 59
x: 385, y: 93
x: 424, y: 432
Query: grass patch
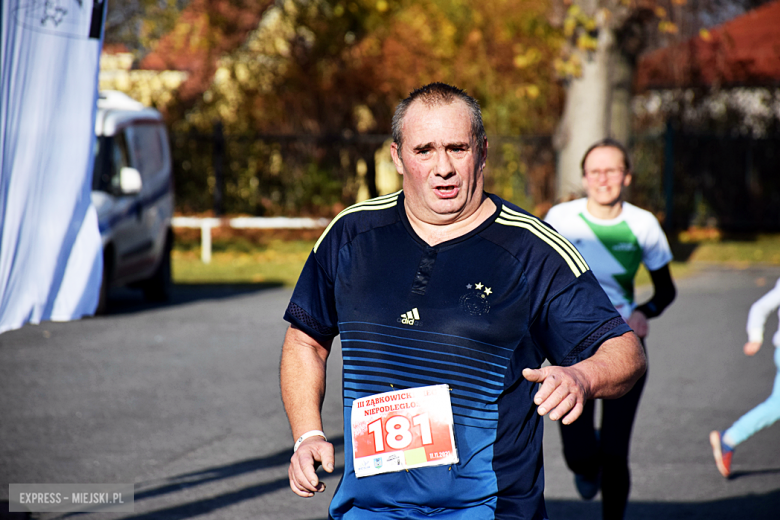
x: 277, y: 261
x: 739, y: 251
x: 281, y: 261
x: 695, y: 254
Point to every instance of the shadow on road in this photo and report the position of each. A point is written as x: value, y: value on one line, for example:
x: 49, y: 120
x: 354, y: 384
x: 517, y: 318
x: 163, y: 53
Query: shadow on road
x: 755, y: 507
x: 207, y: 505
x: 126, y: 301
x: 194, y: 508
x: 199, y: 478
x: 766, y: 471
x: 188, y: 481
x: 5, y: 514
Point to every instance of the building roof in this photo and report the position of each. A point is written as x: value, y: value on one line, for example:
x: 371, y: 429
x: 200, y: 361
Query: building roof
x: 742, y: 52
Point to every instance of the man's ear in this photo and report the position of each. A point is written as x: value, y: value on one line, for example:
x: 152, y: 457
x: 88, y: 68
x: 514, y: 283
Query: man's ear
x: 484, y: 154
x: 627, y: 178
x: 399, y: 163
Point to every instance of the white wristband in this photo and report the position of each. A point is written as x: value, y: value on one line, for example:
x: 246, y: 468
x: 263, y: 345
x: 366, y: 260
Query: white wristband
x: 313, y: 433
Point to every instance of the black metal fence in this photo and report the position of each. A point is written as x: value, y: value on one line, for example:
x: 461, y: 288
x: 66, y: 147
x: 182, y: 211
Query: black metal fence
x: 693, y: 179
x: 265, y: 174
x: 686, y: 179
x: 268, y: 175
x: 729, y: 182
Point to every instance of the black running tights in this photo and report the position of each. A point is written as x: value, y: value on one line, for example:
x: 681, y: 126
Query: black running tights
x: 585, y: 455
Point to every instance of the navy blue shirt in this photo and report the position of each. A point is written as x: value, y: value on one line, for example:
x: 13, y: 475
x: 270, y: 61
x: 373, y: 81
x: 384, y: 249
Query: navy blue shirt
x: 472, y: 313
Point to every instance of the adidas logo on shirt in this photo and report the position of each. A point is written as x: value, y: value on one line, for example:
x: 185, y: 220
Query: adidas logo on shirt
x: 410, y: 318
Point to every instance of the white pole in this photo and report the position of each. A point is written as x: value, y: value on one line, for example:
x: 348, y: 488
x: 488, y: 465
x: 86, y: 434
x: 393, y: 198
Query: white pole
x: 205, y: 241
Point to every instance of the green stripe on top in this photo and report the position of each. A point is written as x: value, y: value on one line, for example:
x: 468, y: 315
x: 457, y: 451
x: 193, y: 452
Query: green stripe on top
x: 622, y: 244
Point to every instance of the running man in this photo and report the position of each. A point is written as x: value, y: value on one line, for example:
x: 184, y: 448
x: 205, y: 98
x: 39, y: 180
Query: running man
x: 442, y: 286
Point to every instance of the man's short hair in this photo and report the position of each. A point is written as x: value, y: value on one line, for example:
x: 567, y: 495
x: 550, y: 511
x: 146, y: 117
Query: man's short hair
x: 608, y: 143
x: 435, y: 94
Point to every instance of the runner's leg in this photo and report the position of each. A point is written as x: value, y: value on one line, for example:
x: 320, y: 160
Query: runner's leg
x: 580, y: 448
x: 763, y: 415
x: 617, y: 422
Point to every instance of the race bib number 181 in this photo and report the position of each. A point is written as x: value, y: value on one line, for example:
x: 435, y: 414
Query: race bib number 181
x: 403, y: 429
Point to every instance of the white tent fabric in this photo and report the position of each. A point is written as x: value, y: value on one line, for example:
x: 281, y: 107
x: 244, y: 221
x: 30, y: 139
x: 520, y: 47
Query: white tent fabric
x: 50, y: 247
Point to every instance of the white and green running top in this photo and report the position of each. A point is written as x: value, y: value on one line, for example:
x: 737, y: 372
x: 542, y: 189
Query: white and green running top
x: 614, y: 248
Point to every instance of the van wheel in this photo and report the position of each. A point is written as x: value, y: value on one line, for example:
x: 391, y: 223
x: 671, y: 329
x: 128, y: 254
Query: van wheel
x: 158, y: 287
x: 105, y: 286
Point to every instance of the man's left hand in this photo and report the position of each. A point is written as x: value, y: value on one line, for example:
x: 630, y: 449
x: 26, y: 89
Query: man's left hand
x: 609, y: 373
x: 563, y: 392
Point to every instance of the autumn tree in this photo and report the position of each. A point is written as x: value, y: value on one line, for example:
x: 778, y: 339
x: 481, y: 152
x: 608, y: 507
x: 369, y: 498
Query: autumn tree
x: 597, y: 65
x: 139, y: 24
x: 337, y: 69
x: 331, y: 72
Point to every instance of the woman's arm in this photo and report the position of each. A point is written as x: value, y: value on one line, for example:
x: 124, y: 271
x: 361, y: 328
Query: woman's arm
x: 760, y: 311
x: 663, y: 294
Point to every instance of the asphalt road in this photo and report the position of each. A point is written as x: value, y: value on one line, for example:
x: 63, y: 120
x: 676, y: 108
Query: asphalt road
x: 183, y: 400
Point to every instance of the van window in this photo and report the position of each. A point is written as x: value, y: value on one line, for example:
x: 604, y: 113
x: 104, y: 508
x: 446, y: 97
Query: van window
x: 148, y: 154
x: 110, y: 157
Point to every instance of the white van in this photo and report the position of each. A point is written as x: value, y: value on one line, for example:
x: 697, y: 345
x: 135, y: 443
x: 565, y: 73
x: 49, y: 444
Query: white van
x: 132, y: 189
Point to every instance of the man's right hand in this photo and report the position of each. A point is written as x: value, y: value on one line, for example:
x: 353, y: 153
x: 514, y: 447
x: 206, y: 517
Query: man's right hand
x: 312, y: 453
